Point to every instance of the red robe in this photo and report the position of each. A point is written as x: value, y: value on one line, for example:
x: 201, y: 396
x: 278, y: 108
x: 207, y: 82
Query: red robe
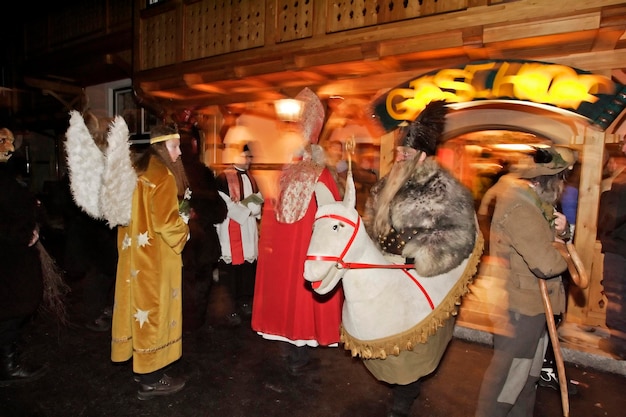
x: 285, y: 308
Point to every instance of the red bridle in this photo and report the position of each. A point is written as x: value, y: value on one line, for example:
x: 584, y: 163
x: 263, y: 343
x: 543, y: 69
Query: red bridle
x: 340, y: 264
x: 338, y: 259
x: 352, y: 265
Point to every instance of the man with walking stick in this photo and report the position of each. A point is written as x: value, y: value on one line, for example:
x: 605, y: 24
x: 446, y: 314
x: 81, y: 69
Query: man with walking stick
x: 524, y: 227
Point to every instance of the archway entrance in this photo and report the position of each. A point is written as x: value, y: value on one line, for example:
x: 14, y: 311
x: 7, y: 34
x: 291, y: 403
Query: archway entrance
x: 507, y: 102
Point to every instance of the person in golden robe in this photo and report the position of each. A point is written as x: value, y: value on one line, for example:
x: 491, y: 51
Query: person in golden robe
x: 147, y: 313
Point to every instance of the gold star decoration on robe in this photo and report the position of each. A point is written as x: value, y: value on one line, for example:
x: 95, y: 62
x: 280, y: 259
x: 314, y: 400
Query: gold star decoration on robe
x: 142, y: 317
x: 133, y: 274
x: 143, y: 239
x: 126, y: 241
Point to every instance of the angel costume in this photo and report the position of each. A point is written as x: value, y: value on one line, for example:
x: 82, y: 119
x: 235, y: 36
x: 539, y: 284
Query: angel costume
x: 143, y: 204
x: 147, y: 316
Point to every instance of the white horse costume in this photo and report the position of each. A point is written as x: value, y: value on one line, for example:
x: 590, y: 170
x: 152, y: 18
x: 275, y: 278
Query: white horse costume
x: 398, y: 322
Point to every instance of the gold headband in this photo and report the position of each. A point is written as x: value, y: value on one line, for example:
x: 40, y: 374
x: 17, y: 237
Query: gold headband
x: 164, y: 138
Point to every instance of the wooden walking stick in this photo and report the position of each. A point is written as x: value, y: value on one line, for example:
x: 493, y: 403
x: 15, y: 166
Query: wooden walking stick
x: 554, y: 337
x: 580, y: 278
x: 575, y: 266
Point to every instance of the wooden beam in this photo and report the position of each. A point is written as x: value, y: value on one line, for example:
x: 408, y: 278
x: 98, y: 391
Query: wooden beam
x: 592, y: 61
x: 506, y: 31
x: 449, y: 39
x: 57, y: 87
x: 608, y: 38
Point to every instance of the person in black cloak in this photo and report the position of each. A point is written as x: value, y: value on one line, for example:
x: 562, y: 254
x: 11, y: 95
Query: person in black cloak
x: 202, y: 252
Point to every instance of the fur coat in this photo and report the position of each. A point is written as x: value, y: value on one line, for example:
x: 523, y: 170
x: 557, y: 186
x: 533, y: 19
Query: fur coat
x: 432, y: 220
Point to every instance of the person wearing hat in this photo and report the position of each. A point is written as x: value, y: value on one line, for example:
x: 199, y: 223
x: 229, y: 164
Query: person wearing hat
x: 285, y: 308
x: 524, y: 226
x: 420, y: 214
x: 147, y: 312
x: 239, y: 234
x: 549, y: 376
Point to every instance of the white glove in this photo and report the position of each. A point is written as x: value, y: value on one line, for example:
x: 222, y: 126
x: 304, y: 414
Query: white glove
x: 255, y: 209
x: 236, y: 211
x: 341, y: 166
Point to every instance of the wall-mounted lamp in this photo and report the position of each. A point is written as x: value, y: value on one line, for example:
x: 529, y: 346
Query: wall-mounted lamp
x: 237, y: 134
x: 288, y: 109
x: 517, y: 147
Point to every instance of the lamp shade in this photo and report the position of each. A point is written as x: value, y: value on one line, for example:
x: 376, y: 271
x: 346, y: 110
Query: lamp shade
x: 288, y: 109
x: 237, y: 134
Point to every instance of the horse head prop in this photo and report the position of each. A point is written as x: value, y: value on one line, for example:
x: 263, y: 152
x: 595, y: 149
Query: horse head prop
x: 388, y: 307
x: 337, y: 226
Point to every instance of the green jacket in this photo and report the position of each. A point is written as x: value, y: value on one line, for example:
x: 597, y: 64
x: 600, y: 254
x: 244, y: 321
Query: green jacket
x: 521, y: 240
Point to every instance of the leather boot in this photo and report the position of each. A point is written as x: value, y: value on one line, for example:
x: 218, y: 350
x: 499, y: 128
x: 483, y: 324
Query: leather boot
x: 403, y: 398
x: 12, y: 372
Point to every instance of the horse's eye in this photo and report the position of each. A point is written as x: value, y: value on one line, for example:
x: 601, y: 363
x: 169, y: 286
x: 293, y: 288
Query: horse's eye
x: 338, y: 226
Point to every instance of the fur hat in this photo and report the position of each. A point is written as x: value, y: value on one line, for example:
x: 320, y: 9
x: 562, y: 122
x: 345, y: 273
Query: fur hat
x: 546, y: 161
x: 424, y: 133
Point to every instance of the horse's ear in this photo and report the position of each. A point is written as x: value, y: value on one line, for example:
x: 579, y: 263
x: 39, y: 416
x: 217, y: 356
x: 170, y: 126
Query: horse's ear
x: 323, y: 195
x: 349, y: 196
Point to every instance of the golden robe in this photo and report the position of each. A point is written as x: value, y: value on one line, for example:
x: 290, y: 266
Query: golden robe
x: 147, y: 313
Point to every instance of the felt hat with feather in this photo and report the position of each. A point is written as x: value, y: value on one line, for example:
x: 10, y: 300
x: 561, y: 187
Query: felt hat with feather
x: 546, y: 161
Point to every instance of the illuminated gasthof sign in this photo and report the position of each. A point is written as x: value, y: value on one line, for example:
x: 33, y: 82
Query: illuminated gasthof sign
x: 592, y: 96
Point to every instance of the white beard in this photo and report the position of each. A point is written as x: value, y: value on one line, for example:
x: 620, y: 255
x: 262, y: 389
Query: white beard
x: 397, y: 177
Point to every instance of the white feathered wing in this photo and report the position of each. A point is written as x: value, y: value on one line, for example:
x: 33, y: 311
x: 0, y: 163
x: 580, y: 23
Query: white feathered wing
x: 119, y: 178
x: 85, y: 164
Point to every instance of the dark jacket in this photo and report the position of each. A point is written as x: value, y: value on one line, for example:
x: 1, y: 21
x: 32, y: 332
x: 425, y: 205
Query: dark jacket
x: 612, y: 217
x: 203, y: 249
x: 21, y: 282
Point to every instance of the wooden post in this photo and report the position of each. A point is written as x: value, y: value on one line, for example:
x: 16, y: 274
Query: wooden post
x: 587, y: 216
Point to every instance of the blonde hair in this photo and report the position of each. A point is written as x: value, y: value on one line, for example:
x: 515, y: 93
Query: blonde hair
x: 159, y: 150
